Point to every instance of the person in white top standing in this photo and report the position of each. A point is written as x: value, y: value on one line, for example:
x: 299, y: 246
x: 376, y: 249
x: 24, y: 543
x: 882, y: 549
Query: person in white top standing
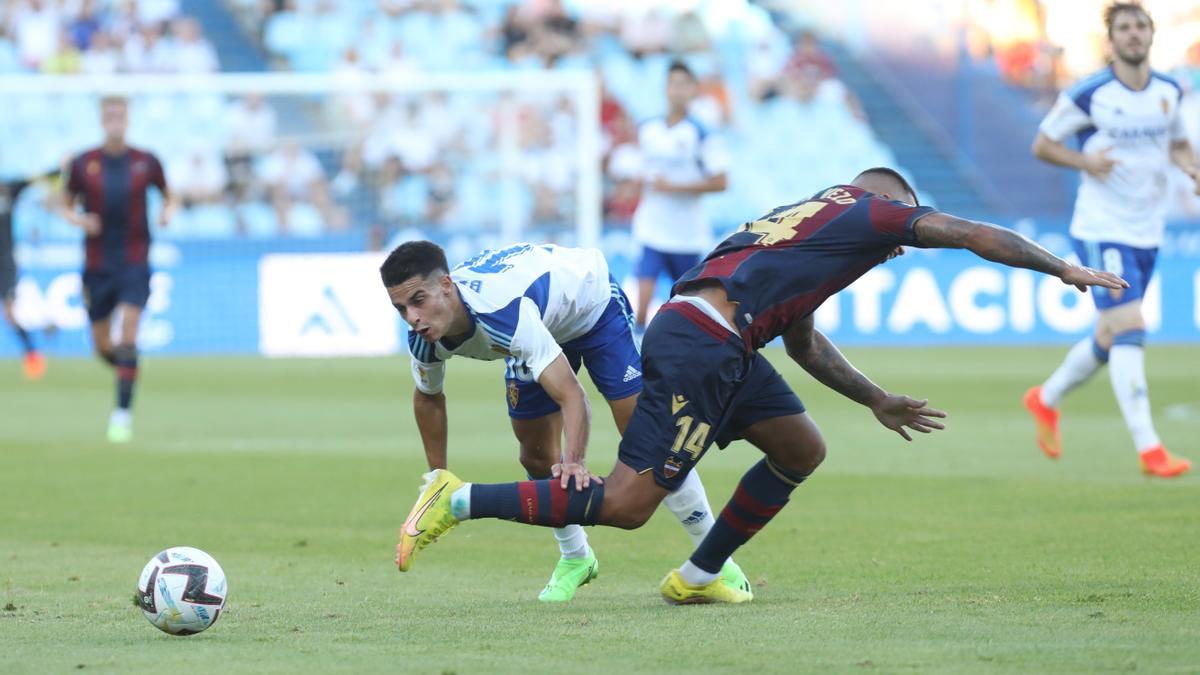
x: 545, y: 310
x: 681, y: 161
x: 1127, y: 123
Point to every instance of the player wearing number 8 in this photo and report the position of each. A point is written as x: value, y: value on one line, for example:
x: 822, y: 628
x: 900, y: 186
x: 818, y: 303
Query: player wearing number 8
x: 705, y: 381
x: 1127, y: 121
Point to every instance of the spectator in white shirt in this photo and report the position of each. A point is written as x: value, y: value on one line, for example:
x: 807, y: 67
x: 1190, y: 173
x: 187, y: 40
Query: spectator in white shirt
x: 191, y: 52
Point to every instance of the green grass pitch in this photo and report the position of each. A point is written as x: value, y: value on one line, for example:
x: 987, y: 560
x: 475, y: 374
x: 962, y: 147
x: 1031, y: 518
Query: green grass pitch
x: 962, y: 552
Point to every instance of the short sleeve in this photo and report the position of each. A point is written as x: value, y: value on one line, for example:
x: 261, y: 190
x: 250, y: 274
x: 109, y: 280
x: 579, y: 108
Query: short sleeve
x: 429, y: 371
x: 532, y: 343
x: 1064, y: 119
x: 157, y: 177
x: 1177, y: 129
x: 430, y: 378
x: 714, y: 156
x: 893, y: 221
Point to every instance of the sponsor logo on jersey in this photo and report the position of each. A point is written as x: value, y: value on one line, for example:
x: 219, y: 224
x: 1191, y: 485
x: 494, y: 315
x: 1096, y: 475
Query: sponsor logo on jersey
x: 631, y: 374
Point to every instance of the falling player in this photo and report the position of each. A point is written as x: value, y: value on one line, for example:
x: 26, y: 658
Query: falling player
x: 681, y: 162
x: 112, y: 182
x: 545, y: 310
x: 1126, y: 119
x: 705, y: 380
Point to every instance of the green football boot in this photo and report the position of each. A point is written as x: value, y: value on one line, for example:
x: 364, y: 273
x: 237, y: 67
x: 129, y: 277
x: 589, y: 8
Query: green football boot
x: 120, y: 431
x: 569, y: 575
x: 733, y: 577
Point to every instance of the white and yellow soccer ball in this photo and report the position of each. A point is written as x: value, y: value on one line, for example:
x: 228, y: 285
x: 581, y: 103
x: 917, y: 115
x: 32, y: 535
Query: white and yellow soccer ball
x: 182, y: 591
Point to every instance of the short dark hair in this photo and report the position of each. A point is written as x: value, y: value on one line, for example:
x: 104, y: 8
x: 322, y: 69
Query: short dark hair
x: 678, y: 66
x: 418, y: 258
x: 1113, y: 10
x: 894, y: 175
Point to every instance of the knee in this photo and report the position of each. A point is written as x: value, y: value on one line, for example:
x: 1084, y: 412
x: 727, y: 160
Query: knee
x: 622, y: 514
x: 803, y: 458
x: 537, y: 463
x: 107, y: 354
x: 630, y: 519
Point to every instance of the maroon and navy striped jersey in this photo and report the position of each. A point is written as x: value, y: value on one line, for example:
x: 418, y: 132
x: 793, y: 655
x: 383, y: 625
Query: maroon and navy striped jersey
x: 781, y: 267
x: 114, y: 187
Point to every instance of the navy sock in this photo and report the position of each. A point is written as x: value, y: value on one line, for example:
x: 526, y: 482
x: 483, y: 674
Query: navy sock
x: 538, y: 502
x: 762, y: 492
x: 126, y: 360
x: 23, y: 336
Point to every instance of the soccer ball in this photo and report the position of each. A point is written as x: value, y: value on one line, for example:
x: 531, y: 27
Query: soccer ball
x: 182, y: 591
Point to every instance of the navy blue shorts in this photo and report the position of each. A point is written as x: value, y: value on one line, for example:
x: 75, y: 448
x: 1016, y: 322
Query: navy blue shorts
x: 655, y: 263
x: 103, y: 291
x: 609, y: 352
x: 1135, y: 265
x: 700, y: 386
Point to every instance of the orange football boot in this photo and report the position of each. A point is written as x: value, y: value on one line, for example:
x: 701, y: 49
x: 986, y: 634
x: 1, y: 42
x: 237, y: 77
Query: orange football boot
x: 35, y: 366
x: 1158, y: 462
x: 1048, y: 438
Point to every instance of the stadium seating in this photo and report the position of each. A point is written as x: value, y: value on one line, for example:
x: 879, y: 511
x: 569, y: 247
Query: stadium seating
x: 777, y: 142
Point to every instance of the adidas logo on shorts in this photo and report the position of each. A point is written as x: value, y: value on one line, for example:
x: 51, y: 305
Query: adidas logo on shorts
x: 631, y: 374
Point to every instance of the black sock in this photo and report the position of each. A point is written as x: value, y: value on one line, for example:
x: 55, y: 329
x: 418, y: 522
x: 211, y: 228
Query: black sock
x: 23, y: 336
x: 762, y: 492
x: 538, y: 502
x: 125, y: 358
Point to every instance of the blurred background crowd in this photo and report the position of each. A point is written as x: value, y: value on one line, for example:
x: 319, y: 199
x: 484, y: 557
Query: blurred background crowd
x: 802, y: 99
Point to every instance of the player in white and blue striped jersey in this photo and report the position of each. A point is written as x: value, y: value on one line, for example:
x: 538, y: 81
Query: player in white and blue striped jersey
x: 1126, y: 122
x: 545, y: 310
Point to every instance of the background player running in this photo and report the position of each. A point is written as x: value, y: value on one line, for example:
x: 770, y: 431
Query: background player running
x: 112, y: 182
x: 681, y: 161
x: 546, y: 310
x: 10, y: 191
x: 1127, y: 122
x: 705, y: 380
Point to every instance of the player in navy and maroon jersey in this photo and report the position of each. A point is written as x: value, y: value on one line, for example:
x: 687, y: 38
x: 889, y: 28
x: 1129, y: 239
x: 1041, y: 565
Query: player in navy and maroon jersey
x: 704, y: 380
x: 111, y: 182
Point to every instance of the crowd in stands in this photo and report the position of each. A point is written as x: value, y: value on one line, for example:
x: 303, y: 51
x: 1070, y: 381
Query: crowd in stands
x: 98, y: 37
x: 457, y: 161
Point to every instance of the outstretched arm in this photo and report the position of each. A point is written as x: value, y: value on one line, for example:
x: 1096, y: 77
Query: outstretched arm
x: 991, y: 242
x: 814, y: 352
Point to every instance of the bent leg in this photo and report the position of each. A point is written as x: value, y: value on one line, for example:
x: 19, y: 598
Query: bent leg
x: 793, y: 449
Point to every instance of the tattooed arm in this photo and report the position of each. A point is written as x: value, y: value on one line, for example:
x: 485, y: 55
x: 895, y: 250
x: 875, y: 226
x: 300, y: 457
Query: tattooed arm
x: 940, y: 230
x: 821, y: 359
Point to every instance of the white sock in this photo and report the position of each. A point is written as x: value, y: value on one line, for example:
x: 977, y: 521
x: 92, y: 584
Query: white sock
x: 689, y: 503
x: 1079, y: 365
x: 460, y: 502
x: 1127, y: 370
x: 121, y: 416
x: 696, y: 576
x: 572, y: 541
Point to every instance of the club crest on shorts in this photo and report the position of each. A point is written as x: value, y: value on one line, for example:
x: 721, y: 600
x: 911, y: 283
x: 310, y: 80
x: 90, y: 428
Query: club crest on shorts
x: 672, y: 467
x: 514, y: 395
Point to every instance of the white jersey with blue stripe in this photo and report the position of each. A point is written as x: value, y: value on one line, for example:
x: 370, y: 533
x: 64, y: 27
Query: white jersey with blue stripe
x: 1137, y: 127
x: 524, y: 302
x: 684, y: 152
